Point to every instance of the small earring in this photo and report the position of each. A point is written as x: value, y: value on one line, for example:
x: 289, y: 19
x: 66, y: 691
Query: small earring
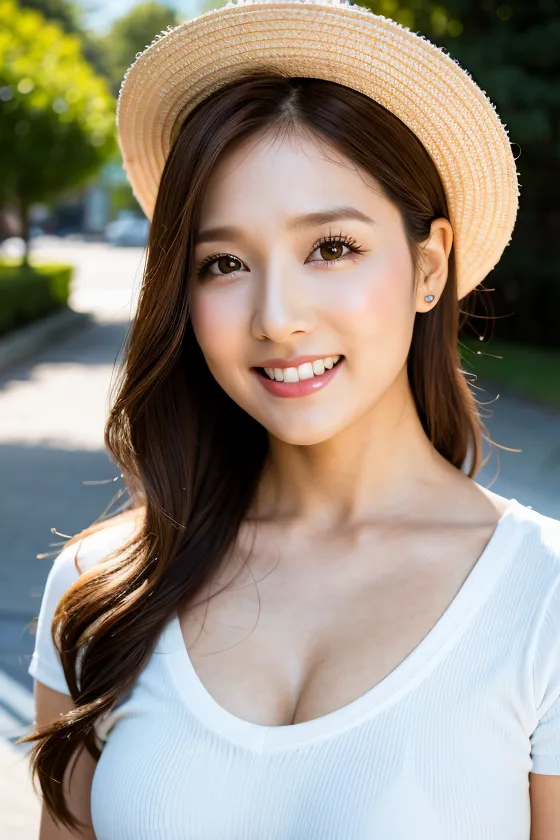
x: 429, y: 298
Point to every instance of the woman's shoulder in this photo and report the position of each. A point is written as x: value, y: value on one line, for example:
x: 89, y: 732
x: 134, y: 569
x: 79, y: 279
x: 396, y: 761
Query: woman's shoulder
x: 540, y: 534
x: 82, y: 552
x: 527, y: 535
x: 93, y: 545
x: 534, y: 563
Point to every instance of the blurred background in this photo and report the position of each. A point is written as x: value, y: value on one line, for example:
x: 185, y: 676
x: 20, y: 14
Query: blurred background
x: 72, y: 241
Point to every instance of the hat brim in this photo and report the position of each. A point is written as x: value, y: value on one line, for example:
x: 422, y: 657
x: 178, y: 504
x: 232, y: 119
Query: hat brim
x: 401, y: 70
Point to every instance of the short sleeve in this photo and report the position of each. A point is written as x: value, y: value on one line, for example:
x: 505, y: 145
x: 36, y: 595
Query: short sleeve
x: 45, y: 663
x: 545, y: 739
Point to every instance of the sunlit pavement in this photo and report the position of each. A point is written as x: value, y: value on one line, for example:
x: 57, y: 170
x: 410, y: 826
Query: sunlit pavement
x: 20, y: 806
x: 52, y: 414
x: 55, y: 473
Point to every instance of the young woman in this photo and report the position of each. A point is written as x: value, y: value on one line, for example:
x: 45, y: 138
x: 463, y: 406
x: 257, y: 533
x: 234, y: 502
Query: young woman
x: 311, y: 623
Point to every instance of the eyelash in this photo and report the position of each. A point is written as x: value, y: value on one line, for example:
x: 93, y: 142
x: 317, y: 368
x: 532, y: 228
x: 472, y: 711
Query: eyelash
x: 355, y: 248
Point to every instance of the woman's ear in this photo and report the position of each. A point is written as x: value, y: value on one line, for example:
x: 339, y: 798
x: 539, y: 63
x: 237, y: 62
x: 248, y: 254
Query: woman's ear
x: 435, y: 255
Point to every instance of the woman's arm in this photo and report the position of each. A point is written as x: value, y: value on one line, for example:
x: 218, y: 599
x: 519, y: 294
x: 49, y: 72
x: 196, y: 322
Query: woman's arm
x: 49, y: 705
x: 545, y: 806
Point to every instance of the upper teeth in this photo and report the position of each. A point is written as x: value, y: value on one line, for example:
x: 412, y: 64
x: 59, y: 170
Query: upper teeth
x: 306, y: 371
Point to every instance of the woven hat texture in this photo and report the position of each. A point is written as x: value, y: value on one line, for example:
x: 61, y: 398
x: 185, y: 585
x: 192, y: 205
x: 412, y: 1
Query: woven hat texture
x: 339, y: 41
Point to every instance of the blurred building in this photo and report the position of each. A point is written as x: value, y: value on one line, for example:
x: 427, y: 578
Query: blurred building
x: 86, y: 210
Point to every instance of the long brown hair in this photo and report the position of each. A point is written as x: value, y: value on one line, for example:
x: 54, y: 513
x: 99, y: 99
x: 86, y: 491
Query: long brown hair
x: 190, y: 457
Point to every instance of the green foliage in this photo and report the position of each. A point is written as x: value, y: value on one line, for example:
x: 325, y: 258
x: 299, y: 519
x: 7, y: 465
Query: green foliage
x: 530, y: 371
x: 29, y: 293
x: 69, y: 15
x: 512, y: 51
x: 131, y: 34
x: 57, y: 117
x: 122, y: 198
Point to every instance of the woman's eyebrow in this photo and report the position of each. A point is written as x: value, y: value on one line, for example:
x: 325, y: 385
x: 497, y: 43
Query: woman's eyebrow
x: 296, y: 223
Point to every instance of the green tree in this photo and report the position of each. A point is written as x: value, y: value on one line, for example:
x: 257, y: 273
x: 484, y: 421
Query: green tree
x: 131, y: 34
x: 70, y: 17
x: 57, y: 118
x: 512, y: 51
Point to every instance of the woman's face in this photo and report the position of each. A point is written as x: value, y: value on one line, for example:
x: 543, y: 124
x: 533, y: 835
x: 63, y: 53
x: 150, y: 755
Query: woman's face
x: 273, y: 292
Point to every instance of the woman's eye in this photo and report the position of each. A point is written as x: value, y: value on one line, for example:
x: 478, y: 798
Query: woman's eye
x: 329, y: 248
x: 225, y: 263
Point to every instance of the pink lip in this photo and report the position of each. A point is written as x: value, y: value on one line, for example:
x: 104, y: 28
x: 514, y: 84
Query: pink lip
x: 297, y: 389
x: 297, y: 360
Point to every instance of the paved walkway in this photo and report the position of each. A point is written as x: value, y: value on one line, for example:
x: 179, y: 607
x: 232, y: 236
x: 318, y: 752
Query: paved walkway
x: 20, y: 805
x: 55, y: 473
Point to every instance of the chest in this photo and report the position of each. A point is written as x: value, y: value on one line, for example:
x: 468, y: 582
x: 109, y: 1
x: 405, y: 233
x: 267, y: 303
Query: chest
x: 287, y: 642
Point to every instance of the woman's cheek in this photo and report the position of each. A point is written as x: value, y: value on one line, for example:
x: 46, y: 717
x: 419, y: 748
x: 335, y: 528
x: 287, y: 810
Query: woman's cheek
x: 367, y: 304
x: 214, y: 325
x: 199, y: 312
x: 379, y: 317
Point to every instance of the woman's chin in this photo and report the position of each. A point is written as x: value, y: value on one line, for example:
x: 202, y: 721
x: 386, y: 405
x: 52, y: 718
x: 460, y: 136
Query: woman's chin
x: 303, y: 433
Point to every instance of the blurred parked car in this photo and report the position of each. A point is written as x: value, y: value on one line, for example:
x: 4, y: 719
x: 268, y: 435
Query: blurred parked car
x: 69, y: 232
x: 128, y: 231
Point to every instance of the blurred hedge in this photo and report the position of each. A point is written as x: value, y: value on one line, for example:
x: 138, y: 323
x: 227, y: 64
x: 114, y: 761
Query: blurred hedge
x: 28, y: 294
x: 527, y: 371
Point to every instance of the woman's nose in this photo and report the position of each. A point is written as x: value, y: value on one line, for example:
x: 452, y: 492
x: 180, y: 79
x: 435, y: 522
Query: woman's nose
x: 283, y: 305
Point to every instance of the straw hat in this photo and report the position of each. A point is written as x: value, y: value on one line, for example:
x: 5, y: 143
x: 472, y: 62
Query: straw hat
x: 348, y: 44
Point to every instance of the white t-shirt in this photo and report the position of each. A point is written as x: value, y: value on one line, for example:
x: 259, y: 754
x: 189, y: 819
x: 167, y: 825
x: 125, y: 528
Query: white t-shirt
x: 440, y: 749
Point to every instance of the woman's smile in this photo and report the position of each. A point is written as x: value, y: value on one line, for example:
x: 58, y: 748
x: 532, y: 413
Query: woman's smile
x: 299, y: 381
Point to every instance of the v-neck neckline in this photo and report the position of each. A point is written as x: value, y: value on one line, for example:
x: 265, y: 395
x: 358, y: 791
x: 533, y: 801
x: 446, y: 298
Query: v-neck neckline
x: 408, y: 673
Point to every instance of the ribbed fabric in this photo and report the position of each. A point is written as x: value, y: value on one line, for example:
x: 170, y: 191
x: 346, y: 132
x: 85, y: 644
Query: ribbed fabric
x: 440, y: 749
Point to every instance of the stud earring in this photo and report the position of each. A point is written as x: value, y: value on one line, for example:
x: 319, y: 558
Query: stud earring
x: 429, y: 298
